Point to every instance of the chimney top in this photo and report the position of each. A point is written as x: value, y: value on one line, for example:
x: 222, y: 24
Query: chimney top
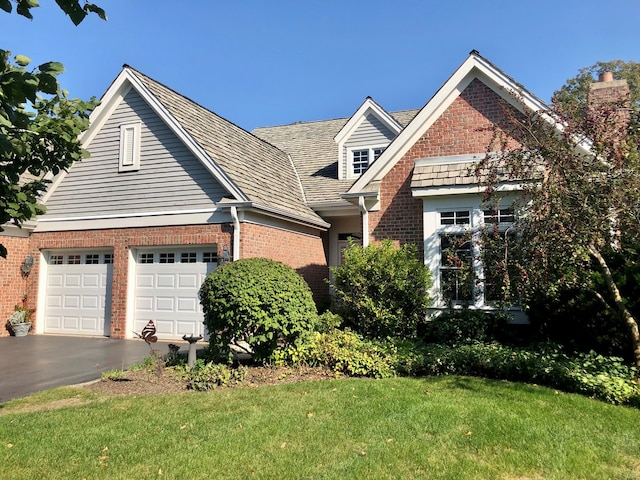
x: 605, y: 77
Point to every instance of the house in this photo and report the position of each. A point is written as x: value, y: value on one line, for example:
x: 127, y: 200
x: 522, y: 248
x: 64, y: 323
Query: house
x: 171, y: 190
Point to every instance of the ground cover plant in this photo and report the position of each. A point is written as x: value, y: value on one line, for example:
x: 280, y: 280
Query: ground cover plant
x: 438, y: 428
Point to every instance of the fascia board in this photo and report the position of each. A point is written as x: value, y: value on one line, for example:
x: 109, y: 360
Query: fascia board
x: 473, y: 67
x: 187, y: 139
x: 108, y: 103
x: 461, y: 190
x: 357, y: 118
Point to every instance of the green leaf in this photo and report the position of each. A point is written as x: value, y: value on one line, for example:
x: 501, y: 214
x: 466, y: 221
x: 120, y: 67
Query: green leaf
x: 22, y: 60
x: 93, y: 8
x: 5, y: 5
x: 52, y: 68
x: 73, y: 9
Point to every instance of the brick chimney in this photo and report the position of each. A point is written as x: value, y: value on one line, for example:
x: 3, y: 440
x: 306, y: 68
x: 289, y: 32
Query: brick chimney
x: 609, y: 112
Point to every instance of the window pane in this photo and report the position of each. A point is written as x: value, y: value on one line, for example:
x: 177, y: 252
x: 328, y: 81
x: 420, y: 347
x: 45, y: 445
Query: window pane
x: 73, y: 260
x: 167, y: 258
x: 188, y: 257
x: 108, y: 258
x: 210, y: 257
x: 458, y: 217
x: 456, y: 273
x: 360, y: 161
x: 146, y: 258
x: 92, y: 259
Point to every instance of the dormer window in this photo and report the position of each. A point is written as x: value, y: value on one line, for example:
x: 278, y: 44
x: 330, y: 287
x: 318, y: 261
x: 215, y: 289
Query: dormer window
x: 129, y: 147
x: 361, y: 158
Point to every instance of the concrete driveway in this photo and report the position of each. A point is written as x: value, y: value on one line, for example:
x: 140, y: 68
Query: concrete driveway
x: 40, y: 362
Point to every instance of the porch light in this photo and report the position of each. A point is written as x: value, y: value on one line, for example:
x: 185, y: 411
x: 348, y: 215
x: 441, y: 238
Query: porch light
x: 27, y: 265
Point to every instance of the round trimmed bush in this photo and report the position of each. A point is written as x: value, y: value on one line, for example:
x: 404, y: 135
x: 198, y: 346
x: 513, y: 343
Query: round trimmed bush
x: 257, y: 300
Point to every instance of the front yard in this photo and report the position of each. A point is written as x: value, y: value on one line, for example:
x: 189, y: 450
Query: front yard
x: 436, y: 428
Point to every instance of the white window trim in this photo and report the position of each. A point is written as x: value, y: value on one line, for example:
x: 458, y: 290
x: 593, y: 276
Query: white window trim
x: 134, y: 163
x: 370, y: 148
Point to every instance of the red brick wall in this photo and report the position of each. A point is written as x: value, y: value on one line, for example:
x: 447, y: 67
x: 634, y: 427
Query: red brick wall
x: 461, y: 129
x: 305, y: 253
x: 12, y: 285
x: 120, y: 240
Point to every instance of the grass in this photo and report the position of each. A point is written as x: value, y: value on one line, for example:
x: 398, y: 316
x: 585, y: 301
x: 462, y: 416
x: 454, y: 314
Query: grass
x: 435, y: 428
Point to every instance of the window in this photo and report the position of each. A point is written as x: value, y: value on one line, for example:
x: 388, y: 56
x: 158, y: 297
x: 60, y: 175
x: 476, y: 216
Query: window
x: 459, y: 217
x: 502, y: 215
x: 167, y: 257
x: 129, y: 147
x: 499, y: 244
x: 108, y: 258
x: 210, y: 257
x: 56, y: 259
x: 188, y: 257
x: 456, y: 269
x: 73, y: 260
x: 361, y: 159
x: 145, y: 258
x: 92, y: 259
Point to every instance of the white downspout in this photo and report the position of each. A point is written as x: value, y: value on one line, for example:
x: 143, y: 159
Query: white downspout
x: 236, y: 233
x: 365, y: 221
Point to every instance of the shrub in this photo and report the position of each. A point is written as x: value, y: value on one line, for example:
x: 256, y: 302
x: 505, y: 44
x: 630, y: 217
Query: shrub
x: 605, y: 378
x: 381, y: 290
x: 204, y: 376
x: 464, y: 326
x: 342, y: 351
x: 257, y: 300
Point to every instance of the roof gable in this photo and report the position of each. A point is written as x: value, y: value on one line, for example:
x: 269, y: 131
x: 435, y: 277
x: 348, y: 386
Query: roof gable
x: 474, y: 67
x: 251, y: 170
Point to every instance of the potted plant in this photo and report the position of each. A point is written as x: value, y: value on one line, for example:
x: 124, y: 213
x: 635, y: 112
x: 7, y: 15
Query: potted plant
x: 19, y: 322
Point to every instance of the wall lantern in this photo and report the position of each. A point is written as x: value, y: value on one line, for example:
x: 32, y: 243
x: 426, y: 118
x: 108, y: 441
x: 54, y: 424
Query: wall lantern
x: 226, y: 256
x: 27, y: 265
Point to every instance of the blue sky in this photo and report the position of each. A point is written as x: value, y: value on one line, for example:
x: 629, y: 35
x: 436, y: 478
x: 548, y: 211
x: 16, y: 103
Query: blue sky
x: 262, y: 63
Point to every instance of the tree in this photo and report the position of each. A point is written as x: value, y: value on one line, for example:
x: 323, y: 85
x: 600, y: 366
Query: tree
x: 39, y: 124
x: 579, y: 169
x: 572, y: 97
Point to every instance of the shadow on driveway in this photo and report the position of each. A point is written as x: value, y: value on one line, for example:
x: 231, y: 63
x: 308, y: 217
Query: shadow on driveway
x: 40, y: 362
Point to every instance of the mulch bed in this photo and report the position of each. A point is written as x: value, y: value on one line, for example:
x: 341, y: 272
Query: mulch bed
x: 154, y: 382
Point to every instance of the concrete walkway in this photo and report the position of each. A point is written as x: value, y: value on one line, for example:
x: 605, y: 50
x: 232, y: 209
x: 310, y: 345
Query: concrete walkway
x: 40, y: 362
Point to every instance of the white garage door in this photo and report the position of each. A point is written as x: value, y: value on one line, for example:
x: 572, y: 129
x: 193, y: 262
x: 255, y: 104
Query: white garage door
x: 166, y: 290
x: 78, y: 293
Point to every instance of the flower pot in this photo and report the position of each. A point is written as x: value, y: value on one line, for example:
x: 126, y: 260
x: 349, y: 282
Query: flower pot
x: 20, y: 329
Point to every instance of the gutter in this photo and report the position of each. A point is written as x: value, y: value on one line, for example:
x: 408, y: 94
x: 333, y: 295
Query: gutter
x: 236, y: 233
x: 365, y: 221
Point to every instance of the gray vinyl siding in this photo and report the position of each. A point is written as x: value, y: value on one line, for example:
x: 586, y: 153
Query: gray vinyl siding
x: 372, y: 132
x: 170, y: 177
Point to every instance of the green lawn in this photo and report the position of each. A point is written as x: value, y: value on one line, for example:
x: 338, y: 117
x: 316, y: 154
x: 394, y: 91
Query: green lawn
x: 435, y: 428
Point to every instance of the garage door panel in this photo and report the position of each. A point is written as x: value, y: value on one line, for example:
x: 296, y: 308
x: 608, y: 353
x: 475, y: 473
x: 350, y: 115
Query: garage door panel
x: 92, y: 280
x: 91, y: 302
x: 55, y: 280
x: 71, y: 301
x: 144, y: 304
x: 166, y: 281
x: 70, y: 322
x: 189, y: 280
x: 72, y: 280
x: 187, y: 305
x: 165, y: 304
x: 144, y: 280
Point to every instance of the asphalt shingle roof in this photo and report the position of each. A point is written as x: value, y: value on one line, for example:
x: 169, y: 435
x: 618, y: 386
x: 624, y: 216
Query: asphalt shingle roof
x: 261, y: 171
x: 315, y: 153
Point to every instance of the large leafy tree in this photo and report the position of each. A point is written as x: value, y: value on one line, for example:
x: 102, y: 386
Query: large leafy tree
x: 39, y: 124
x: 579, y: 169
